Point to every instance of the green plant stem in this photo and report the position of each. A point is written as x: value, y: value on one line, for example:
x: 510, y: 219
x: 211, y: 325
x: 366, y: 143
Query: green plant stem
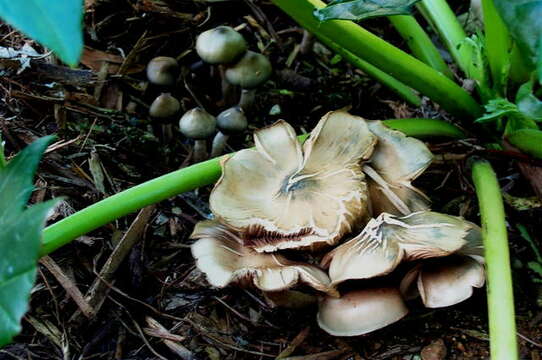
x: 391, y: 60
x: 424, y: 128
x: 519, y: 72
x: 174, y: 183
x: 527, y: 140
x: 398, y: 87
x: 497, y: 44
x: 500, y: 297
x: 419, y: 42
x: 3, y: 161
x: 445, y: 23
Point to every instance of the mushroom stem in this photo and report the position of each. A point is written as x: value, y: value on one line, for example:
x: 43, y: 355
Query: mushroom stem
x: 219, y: 143
x: 247, y: 99
x: 227, y: 88
x: 306, y: 43
x: 200, y: 150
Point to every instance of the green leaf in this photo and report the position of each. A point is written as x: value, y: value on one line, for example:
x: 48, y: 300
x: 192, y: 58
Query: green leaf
x: 524, y: 21
x: 528, y: 103
x: 528, y: 141
x: 363, y: 9
x: 56, y: 24
x: 497, y: 109
x: 20, y: 236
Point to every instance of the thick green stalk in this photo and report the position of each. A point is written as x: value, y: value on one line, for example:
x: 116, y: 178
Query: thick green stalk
x: 500, y: 297
x: 424, y: 128
x: 497, y: 44
x: 445, y: 23
x: 419, y: 42
x: 527, y: 140
x: 384, y: 56
x: 398, y: 87
x: 174, y: 183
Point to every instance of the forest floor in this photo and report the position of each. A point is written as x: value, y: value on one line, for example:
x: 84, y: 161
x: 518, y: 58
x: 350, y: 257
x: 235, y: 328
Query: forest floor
x: 108, y: 143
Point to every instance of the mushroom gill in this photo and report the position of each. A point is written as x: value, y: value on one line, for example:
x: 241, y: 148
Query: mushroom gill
x: 287, y: 195
x: 224, y: 260
x: 397, y: 160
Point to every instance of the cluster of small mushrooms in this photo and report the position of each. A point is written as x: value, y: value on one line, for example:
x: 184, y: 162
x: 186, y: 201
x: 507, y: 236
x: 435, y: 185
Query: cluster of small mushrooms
x: 348, y: 186
x: 226, y: 48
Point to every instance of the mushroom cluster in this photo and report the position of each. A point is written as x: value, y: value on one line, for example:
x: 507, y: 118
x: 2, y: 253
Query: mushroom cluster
x: 349, y: 186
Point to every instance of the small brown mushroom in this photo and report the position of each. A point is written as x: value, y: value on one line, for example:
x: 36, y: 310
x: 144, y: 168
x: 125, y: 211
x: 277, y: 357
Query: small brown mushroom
x: 220, y: 255
x: 163, y: 70
x: 221, y: 45
x: 229, y: 122
x: 360, y: 312
x: 164, y: 106
x: 250, y: 72
x: 283, y: 195
x: 199, y: 125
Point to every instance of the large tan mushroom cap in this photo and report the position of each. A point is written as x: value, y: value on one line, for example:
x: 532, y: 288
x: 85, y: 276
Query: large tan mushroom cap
x: 360, y: 312
x: 285, y: 195
x: 220, y: 255
x: 387, y: 240
x: 397, y: 160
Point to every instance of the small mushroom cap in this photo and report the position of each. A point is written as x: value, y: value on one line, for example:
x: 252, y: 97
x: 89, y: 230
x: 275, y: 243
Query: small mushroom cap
x: 284, y: 195
x: 221, y: 45
x: 444, y: 282
x: 232, y: 121
x: 387, y: 240
x: 398, y: 160
x: 163, y: 70
x: 197, y: 124
x: 360, y: 312
x: 251, y: 71
x: 164, y: 106
x: 220, y: 255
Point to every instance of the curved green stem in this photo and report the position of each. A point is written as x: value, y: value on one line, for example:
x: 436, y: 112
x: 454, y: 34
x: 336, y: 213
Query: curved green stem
x: 398, y: 87
x: 174, y: 183
x: 500, y: 297
x: 527, y: 140
x: 391, y: 60
x: 441, y: 17
x: 419, y: 42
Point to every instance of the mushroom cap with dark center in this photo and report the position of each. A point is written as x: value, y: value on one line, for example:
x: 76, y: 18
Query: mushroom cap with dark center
x: 221, y: 45
x: 287, y: 195
x: 164, y: 106
x: 360, y: 312
x: 163, y: 70
x: 232, y: 121
x: 251, y: 71
x: 197, y: 124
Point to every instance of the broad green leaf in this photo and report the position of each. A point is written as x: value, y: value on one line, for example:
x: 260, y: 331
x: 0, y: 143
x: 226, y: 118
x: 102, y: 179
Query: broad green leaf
x: 363, y: 9
x: 528, y: 103
x: 528, y: 141
x: 524, y: 21
x: 20, y: 237
x: 497, y: 109
x: 56, y: 24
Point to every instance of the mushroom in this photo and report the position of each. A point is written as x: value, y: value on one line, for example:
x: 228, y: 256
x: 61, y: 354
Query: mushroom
x: 164, y: 106
x: 251, y: 71
x: 224, y: 260
x: 218, y: 46
x: 198, y: 124
x: 397, y: 160
x: 221, y: 45
x: 388, y: 240
x: 450, y: 280
x: 230, y: 121
x: 163, y: 70
x: 360, y: 312
x: 284, y: 195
